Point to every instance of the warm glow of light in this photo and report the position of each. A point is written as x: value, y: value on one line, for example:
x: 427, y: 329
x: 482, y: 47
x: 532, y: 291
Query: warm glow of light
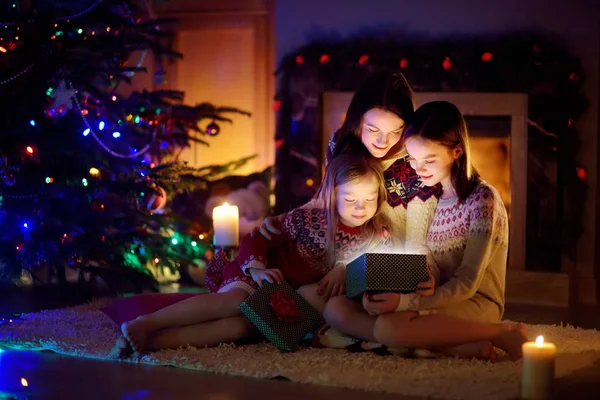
x: 539, y: 341
x: 156, y: 260
x: 24, y: 382
x: 29, y: 149
x: 310, y: 182
x: 2, y: 49
x: 114, y: 98
x: 94, y: 171
x: 201, y: 236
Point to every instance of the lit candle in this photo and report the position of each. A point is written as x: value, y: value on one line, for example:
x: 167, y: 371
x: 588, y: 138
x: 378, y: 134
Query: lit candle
x: 537, y: 380
x: 226, y: 226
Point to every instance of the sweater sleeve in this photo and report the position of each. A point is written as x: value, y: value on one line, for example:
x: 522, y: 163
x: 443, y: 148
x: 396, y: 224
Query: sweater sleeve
x: 254, y: 251
x: 485, y: 222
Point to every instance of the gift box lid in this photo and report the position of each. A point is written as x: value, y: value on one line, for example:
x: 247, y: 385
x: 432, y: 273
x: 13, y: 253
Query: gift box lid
x: 385, y: 272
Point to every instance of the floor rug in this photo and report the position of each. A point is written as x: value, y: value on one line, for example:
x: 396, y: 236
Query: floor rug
x: 84, y: 331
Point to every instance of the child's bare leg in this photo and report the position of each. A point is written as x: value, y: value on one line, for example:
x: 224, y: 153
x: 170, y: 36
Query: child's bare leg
x: 408, y: 329
x: 350, y: 318
x: 191, y: 311
x: 309, y: 293
x: 205, y: 334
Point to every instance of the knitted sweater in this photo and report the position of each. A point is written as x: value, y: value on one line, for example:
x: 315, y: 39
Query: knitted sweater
x: 469, y: 243
x: 300, y: 251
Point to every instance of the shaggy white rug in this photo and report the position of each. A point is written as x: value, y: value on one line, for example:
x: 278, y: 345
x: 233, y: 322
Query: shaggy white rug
x: 85, y: 331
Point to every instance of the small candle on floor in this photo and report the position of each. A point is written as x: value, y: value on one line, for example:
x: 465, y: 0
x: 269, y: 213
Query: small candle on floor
x: 537, y: 380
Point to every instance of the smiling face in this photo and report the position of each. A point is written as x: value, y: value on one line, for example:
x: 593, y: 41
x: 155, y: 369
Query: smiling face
x: 356, y: 201
x: 380, y: 131
x: 432, y: 160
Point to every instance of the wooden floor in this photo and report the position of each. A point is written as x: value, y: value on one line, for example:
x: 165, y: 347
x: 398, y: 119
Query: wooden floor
x: 51, y: 376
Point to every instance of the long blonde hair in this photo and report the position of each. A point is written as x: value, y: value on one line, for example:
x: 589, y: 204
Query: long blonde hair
x: 344, y: 168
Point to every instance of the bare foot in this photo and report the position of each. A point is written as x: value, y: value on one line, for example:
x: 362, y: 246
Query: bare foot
x: 511, y: 339
x: 479, y: 350
x: 136, y: 332
x: 121, y: 348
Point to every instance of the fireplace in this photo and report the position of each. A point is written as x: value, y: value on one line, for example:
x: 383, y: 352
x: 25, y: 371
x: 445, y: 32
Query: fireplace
x: 498, y: 129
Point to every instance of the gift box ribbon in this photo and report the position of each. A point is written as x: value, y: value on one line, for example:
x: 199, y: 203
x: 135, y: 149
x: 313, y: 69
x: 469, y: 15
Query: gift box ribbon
x: 285, y: 308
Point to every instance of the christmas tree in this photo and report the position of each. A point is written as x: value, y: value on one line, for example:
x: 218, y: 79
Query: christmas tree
x: 85, y: 172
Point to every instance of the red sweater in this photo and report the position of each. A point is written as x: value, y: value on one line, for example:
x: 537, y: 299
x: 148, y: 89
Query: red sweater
x: 300, y: 250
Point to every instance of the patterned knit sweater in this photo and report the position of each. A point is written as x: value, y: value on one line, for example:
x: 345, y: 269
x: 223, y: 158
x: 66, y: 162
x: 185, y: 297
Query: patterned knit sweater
x: 300, y: 251
x: 469, y: 243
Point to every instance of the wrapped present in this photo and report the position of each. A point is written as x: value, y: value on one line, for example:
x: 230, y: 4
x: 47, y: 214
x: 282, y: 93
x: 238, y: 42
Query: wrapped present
x: 384, y: 272
x: 281, y: 314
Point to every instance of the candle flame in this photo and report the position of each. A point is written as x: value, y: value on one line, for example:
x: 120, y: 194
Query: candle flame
x: 24, y: 382
x: 539, y: 341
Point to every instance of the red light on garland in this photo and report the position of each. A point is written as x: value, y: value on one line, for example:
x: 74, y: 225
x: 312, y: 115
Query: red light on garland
x: 404, y: 63
x: 363, y: 59
x: 324, y: 59
x: 276, y: 105
x: 487, y: 56
x: 299, y: 59
x: 581, y: 173
x: 447, y: 64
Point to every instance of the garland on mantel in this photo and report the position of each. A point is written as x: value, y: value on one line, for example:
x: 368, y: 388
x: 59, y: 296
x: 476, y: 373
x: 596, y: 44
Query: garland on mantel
x: 526, y: 63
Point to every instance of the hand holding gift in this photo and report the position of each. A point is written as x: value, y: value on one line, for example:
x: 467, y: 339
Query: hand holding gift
x: 260, y: 275
x: 427, y: 288
x: 380, y: 303
x: 333, y: 283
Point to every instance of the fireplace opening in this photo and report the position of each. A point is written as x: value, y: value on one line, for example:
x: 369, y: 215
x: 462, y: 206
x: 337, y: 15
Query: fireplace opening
x: 490, y: 153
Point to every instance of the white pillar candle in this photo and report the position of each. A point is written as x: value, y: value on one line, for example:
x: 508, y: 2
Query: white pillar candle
x: 226, y: 226
x: 537, y: 380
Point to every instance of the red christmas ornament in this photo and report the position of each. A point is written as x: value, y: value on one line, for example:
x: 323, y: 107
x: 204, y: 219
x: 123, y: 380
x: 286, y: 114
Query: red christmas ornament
x: 55, y: 112
x: 574, y: 77
x: 97, y: 205
x: 363, y: 59
x: 276, y: 105
x: 447, y: 64
x: 153, y: 201
x: 299, y: 59
x: 581, y: 173
x: 487, y: 56
x: 404, y: 63
x: 324, y: 59
x: 213, y: 129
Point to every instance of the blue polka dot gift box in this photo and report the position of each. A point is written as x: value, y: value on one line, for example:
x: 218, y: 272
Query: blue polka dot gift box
x: 281, y: 314
x: 385, y: 272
